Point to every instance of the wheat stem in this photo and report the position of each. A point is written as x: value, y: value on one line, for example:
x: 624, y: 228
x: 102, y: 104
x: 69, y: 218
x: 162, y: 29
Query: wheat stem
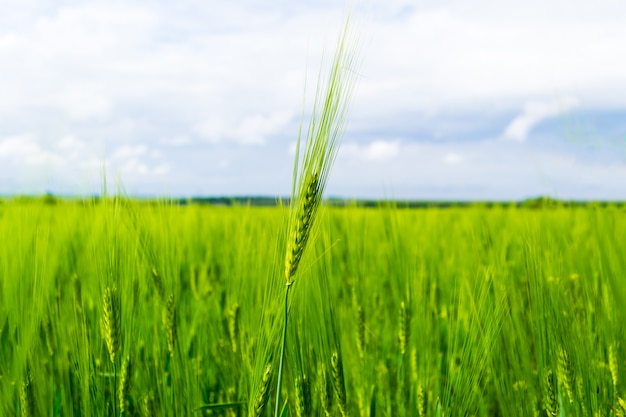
x: 282, y: 353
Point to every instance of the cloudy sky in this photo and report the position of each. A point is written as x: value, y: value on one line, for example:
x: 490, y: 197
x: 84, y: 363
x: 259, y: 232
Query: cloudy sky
x: 455, y: 99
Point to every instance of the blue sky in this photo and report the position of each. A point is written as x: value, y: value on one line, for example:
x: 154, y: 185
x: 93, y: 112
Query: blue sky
x: 455, y: 99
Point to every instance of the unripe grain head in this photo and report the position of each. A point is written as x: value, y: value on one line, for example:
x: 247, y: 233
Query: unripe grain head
x: 111, y: 321
x: 325, y: 390
x: 405, y: 327
x: 169, y: 319
x: 566, y: 373
x: 27, y: 395
x: 233, y: 326
x: 303, y: 397
x: 263, y: 393
x: 124, y: 390
x: 306, y: 209
x: 550, y: 399
x: 360, y: 336
x: 339, y: 383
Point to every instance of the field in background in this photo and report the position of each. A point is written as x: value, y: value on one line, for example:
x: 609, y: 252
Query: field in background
x: 486, y: 311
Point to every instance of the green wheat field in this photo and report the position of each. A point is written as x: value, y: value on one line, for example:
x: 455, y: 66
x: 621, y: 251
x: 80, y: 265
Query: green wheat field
x: 114, y: 306
x: 122, y: 307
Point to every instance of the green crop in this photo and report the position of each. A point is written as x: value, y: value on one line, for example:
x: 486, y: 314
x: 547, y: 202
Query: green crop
x: 398, y: 312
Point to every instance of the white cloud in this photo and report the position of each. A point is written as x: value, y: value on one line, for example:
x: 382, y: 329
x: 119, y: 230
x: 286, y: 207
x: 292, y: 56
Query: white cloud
x: 136, y: 161
x: 176, y: 141
x: 479, y: 55
x: 142, y: 77
x: 83, y: 102
x: 251, y: 130
x: 243, y: 59
x: 161, y: 169
x: 129, y: 151
x: 378, y: 150
x: 490, y: 169
x: 452, y: 158
x: 20, y: 150
x: 257, y: 128
x: 534, y: 113
x: 69, y: 143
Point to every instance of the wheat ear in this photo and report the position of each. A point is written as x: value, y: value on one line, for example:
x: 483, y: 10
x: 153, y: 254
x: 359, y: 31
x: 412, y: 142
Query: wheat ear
x: 550, y: 400
x: 325, y: 390
x: 27, y: 396
x: 263, y: 393
x: 339, y: 383
x: 421, y: 401
x: 233, y: 326
x: 169, y: 319
x: 360, y: 331
x: 111, y: 324
x: 566, y: 373
x: 303, y: 396
x: 405, y: 328
x: 124, y: 391
x: 307, y: 207
x: 111, y: 321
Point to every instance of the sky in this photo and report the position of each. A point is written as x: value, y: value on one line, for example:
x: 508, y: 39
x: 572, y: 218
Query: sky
x: 455, y: 100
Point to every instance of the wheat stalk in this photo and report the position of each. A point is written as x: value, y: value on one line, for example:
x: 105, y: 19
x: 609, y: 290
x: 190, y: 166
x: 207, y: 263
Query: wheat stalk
x: 566, y: 373
x: 622, y: 406
x: 263, y: 393
x: 48, y: 333
x: 325, y: 390
x: 326, y: 126
x: 169, y: 319
x: 147, y: 405
x: 233, y: 326
x: 158, y: 283
x: 307, y: 208
x: 303, y: 397
x: 27, y: 396
x: 360, y: 335
x: 111, y: 321
x: 405, y: 328
x: 550, y: 400
x: 613, y: 368
x: 580, y: 390
x: 310, y: 174
x: 111, y: 325
x: 124, y: 391
x: 421, y: 401
x: 338, y: 382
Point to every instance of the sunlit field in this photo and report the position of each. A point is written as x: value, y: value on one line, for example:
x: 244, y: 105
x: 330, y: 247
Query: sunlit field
x: 121, y: 307
x: 172, y: 294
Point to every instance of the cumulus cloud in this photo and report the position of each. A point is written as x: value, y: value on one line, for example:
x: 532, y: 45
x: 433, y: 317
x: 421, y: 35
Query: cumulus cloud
x: 132, y: 161
x: 534, y: 113
x: 129, y: 151
x: 378, y: 150
x: 24, y: 150
x: 149, y: 86
x: 81, y: 103
x: 175, y: 141
x: 251, y: 130
x: 452, y: 158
